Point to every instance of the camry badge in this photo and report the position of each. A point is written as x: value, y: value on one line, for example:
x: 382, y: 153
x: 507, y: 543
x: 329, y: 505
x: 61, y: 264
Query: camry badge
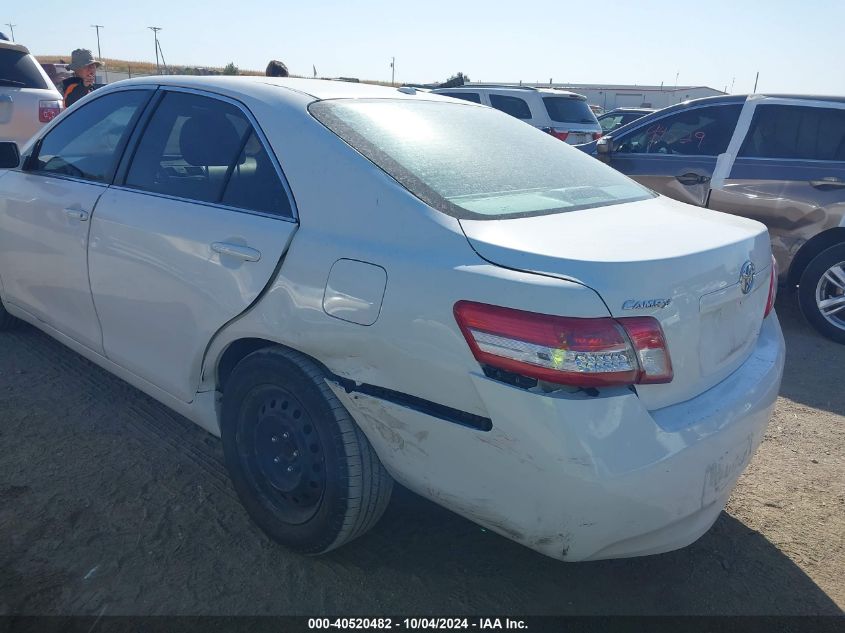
x: 746, y: 277
x: 639, y: 304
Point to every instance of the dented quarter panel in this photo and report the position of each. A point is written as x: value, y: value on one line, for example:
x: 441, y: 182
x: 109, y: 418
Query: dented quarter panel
x: 578, y: 477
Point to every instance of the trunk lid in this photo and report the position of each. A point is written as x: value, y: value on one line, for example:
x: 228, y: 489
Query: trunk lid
x: 657, y: 257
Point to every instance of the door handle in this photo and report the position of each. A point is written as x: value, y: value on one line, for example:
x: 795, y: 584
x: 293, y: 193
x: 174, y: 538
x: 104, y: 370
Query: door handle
x: 830, y: 182
x: 236, y: 250
x: 692, y: 179
x: 77, y: 214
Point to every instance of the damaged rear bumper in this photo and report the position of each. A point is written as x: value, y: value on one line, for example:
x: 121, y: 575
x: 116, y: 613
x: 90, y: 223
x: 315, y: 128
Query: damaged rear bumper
x: 577, y: 477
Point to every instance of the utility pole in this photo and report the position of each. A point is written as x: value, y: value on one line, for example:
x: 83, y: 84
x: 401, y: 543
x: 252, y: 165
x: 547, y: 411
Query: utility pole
x: 99, y: 53
x: 12, y: 29
x: 155, y: 30
x: 392, y: 71
x: 755, y: 81
x: 732, y: 84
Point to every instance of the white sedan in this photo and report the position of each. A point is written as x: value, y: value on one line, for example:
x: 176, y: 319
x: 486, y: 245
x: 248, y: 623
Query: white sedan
x: 352, y: 285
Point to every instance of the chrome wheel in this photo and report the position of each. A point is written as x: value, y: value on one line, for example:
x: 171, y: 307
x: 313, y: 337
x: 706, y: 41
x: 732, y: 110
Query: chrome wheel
x: 830, y: 295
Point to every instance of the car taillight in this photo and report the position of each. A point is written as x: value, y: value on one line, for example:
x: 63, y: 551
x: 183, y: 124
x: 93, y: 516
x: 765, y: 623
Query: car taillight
x: 48, y: 110
x: 773, y: 288
x: 597, y: 135
x: 591, y: 352
x: 558, y: 134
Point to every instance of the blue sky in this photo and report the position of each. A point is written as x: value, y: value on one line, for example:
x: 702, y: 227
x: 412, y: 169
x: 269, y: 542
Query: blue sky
x: 796, y: 46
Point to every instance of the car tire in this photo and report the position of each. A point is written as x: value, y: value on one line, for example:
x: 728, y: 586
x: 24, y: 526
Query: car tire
x: 302, y: 468
x: 821, y: 281
x: 7, y: 321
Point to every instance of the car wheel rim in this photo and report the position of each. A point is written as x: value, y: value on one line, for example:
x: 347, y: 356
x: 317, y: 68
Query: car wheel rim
x: 282, y: 454
x: 830, y: 295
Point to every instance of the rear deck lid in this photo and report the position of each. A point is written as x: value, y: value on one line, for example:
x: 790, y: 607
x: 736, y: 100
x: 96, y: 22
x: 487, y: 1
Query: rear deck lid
x: 655, y: 257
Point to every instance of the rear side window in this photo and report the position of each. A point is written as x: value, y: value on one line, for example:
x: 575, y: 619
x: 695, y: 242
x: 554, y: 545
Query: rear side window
x: 514, y: 106
x: 796, y: 132
x: 204, y: 149
x: 698, y: 132
x: 569, y: 110
x: 188, y: 147
x: 254, y: 183
x: 87, y: 144
x: 20, y: 70
x: 466, y: 96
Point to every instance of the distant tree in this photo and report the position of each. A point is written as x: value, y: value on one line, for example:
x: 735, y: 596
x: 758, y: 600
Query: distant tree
x: 455, y: 80
x: 230, y: 69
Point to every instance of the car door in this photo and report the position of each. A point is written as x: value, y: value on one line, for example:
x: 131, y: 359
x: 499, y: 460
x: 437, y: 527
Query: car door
x: 676, y: 154
x: 45, y: 212
x: 789, y: 172
x: 187, y: 238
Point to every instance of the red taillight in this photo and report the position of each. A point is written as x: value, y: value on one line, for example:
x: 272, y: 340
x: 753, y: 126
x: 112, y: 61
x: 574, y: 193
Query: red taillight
x: 573, y: 351
x: 773, y: 288
x: 597, y: 135
x: 48, y: 110
x: 558, y: 134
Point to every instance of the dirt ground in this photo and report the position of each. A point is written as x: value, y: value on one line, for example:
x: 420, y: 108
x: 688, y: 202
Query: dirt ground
x: 111, y: 504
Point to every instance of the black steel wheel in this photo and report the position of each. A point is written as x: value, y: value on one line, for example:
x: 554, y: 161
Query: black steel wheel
x: 302, y: 468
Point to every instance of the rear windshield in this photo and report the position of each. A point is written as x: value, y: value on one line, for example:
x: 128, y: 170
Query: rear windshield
x: 20, y: 70
x: 472, y: 162
x: 569, y: 110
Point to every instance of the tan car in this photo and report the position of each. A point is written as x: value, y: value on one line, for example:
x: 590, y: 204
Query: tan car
x: 779, y: 159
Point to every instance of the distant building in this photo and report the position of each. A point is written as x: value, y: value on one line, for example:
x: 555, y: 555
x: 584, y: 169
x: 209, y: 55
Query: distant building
x: 616, y: 96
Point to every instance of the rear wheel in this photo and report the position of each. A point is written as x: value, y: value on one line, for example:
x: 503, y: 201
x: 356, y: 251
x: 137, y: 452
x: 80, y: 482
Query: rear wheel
x: 303, y: 469
x: 821, y: 293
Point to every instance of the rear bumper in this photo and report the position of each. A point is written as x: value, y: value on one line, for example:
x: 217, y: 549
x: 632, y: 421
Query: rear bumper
x: 584, y: 478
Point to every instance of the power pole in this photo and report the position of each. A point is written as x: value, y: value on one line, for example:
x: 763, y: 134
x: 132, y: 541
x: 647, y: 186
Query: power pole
x: 392, y: 70
x: 12, y: 29
x: 155, y: 30
x: 99, y: 53
x: 755, y: 81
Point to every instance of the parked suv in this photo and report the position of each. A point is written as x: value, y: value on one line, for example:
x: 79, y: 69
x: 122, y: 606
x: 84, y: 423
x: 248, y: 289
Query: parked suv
x: 779, y: 159
x: 564, y: 115
x: 28, y: 98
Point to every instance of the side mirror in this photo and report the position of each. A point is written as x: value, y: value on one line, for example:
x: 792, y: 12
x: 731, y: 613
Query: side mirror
x: 10, y: 156
x: 604, y: 147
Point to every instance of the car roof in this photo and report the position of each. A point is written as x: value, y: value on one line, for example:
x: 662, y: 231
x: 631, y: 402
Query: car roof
x: 742, y: 98
x: 258, y: 86
x: 13, y: 46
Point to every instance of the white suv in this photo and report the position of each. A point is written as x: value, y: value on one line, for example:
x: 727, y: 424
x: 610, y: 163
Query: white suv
x: 564, y: 115
x: 28, y: 98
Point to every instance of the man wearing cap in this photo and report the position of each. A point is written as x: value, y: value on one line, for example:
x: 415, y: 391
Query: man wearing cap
x: 84, y: 68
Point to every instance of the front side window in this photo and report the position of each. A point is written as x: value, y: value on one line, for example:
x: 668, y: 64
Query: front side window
x: 610, y: 122
x: 466, y: 96
x: 514, y: 106
x: 796, y: 132
x: 87, y: 144
x: 204, y: 149
x: 697, y: 132
x: 473, y: 162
